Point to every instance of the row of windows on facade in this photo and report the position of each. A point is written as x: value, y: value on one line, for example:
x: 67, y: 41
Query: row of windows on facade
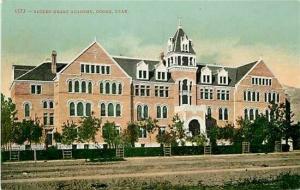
x: 143, y: 112
x: 84, y: 109
x: 261, y: 81
x: 48, y: 104
x: 207, y: 94
x: 181, y: 60
x: 144, y: 90
x: 253, y: 96
x: 95, y: 69
x: 143, y: 74
x: 106, y: 87
x: 251, y: 114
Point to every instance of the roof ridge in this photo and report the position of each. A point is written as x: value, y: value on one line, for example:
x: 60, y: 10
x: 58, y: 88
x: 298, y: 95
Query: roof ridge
x: 137, y: 58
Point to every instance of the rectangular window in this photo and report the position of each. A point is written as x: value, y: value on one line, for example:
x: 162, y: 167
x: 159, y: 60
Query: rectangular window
x: 163, y: 77
x: 108, y: 70
x: 137, y: 89
x: 145, y: 74
x: 93, y: 69
x: 45, y: 118
x: 158, y: 75
x: 36, y: 89
x: 103, y: 70
x: 148, y: 91
x: 87, y: 68
x: 82, y: 68
x: 97, y: 69
x: 143, y: 133
x: 142, y: 90
x: 51, y: 119
x: 140, y: 74
x: 32, y: 89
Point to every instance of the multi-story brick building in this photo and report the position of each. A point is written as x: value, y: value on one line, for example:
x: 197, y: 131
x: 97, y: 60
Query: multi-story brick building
x: 124, y: 89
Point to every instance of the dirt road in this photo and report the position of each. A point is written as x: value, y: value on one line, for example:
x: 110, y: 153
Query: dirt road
x: 208, y: 170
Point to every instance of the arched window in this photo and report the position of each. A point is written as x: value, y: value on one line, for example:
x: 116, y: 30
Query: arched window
x: 225, y: 114
x: 208, y: 112
x: 90, y: 88
x: 83, y: 86
x: 118, y: 110
x: 158, y: 112
x: 72, y: 109
x: 110, y: 109
x: 70, y: 84
x: 50, y: 104
x: 114, y: 88
x: 45, y: 104
x: 251, y: 114
x: 220, y: 114
x: 256, y: 113
x: 184, y: 85
x: 165, y: 112
x: 80, y: 109
x: 269, y: 96
x: 88, y: 109
x: 274, y: 97
x: 120, y: 88
x: 101, y: 87
x: 145, y: 112
x: 27, y: 109
x: 102, y: 109
x: 139, y: 112
x: 76, y: 86
x: 107, y: 88
x: 246, y: 114
x: 253, y: 96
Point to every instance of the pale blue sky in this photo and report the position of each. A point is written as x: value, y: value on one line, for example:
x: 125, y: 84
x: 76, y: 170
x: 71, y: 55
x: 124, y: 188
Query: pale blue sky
x: 215, y: 28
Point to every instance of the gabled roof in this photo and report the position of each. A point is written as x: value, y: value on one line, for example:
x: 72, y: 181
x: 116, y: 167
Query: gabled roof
x: 129, y: 66
x: 235, y: 74
x: 177, y: 39
x: 41, y: 72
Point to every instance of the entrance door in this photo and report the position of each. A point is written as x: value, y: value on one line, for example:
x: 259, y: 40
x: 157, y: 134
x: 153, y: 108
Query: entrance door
x: 194, y: 127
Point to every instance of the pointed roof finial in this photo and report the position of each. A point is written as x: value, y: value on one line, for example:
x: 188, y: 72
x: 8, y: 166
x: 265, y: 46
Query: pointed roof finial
x: 95, y: 39
x: 179, y: 22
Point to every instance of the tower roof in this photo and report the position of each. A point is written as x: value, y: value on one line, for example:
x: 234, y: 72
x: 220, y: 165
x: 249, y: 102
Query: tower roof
x: 177, y: 39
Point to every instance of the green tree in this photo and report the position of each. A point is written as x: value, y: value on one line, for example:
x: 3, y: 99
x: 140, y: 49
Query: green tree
x: 8, y: 118
x: 131, y: 134
x: 166, y: 137
x: 88, y: 128
x: 213, y: 135
x: 199, y: 140
x: 227, y: 132
x: 150, y: 125
x: 27, y: 131
x: 111, y: 134
x: 57, y: 137
x: 69, y: 133
x: 177, y: 130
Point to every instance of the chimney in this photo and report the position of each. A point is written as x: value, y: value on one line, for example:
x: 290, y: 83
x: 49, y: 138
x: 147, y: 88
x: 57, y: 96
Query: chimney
x: 53, y: 62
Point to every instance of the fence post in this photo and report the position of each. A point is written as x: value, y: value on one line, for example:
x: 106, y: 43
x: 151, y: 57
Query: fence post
x: 14, y: 154
x: 34, y: 154
x: 245, y: 147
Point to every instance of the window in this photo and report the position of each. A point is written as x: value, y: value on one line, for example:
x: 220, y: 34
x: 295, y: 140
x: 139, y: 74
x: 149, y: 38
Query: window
x: 95, y: 69
x: 70, y: 84
x: 145, y: 115
x: 82, y: 68
x: 102, y: 109
x: 110, y: 109
x: 162, y: 91
x: 120, y: 88
x: 101, y: 87
x: 142, y: 90
x: 161, y: 75
x: 246, y: 114
x: 80, y: 109
x: 50, y: 104
x: 261, y: 81
x: 92, y: 68
x: 223, y: 114
x: 206, y: 93
x: 114, y: 88
x: 209, y: 112
x: 83, y: 86
x: 36, y: 89
x: 251, y: 113
x: 45, y: 119
x: 118, y: 110
x: 143, y: 133
x: 158, y: 112
x: 88, y: 109
x: 162, y: 130
x: 107, y: 70
x: 139, y: 112
x: 165, y: 112
x: 45, y: 104
x: 87, y: 69
x: 223, y: 94
x: 98, y: 69
x: 26, y: 109
x: 72, y: 109
x: 107, y: 88
x: 76, y: 86
x: 271, y: 96
x: 51, y: 119
x: 90, y: 88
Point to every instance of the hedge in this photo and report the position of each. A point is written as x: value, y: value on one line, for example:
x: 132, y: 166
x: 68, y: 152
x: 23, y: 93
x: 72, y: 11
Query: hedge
x: 54, y: 154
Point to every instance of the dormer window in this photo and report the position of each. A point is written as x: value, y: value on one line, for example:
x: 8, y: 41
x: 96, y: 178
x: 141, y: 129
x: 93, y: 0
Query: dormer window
x: 161, y: 72
x: 185, y: 44
x: 223, y: 77
x: 206, y: 77
x: 142, y: 71
x: 170, y: 44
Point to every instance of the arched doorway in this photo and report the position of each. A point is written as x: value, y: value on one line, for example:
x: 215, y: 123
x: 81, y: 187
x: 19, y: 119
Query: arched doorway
x: 194, y: 127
